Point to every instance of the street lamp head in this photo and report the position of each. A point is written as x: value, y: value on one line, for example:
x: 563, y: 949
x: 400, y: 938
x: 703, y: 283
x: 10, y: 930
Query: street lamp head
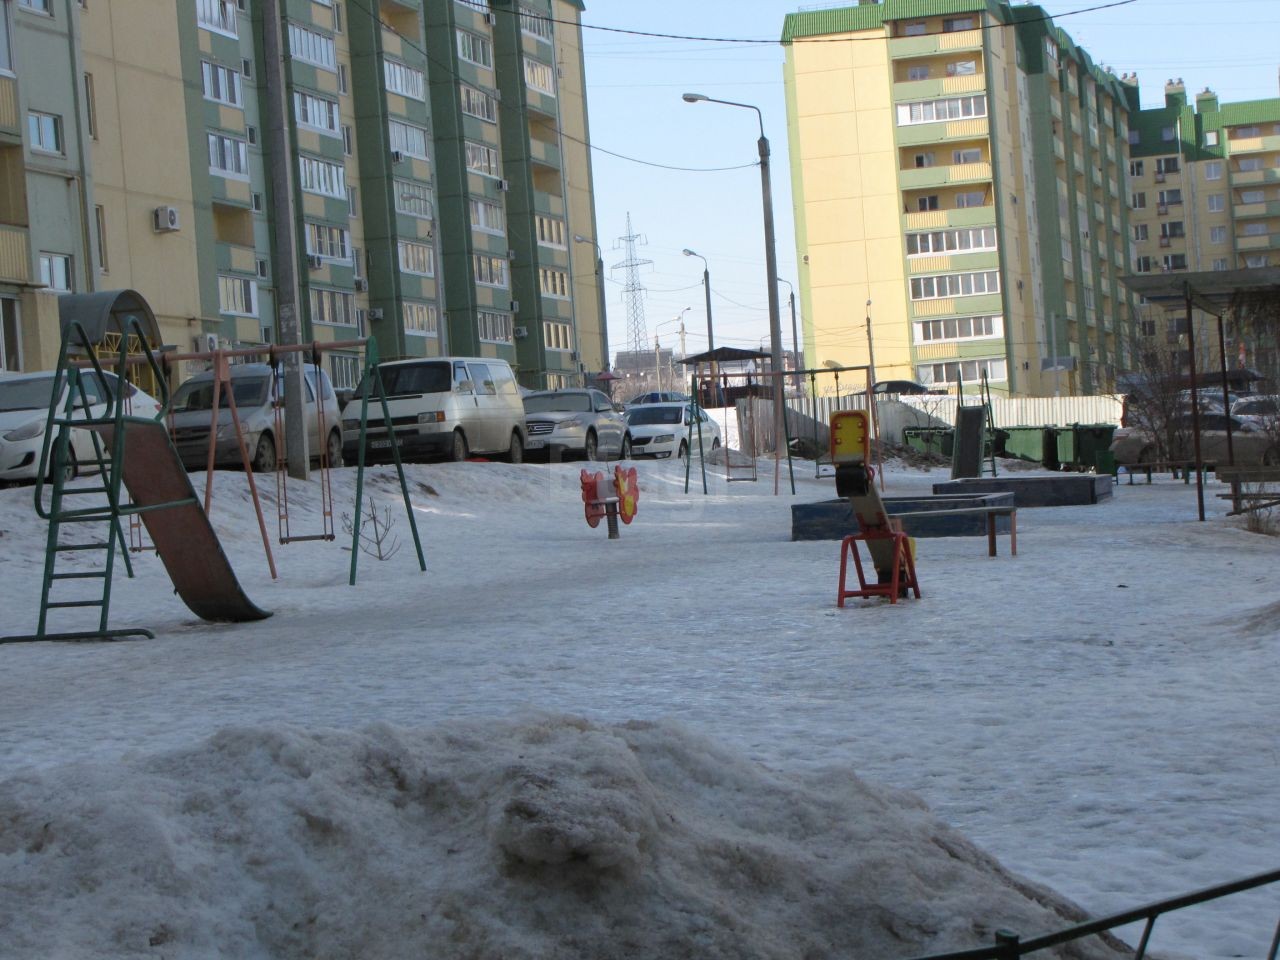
x: 693, y: 97
x: 688, y: 253
x: 579, y: 238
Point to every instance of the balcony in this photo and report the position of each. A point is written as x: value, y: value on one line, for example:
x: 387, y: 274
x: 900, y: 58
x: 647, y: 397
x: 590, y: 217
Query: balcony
x: 1258, y: 242
x: 941, y: 131
x: 547, y: 154
x: 922, y: 177
x: 901, y: 48
x: 15, y: 256
x: 9, y: 119
x: 1255, y: 177
x: 937, y: 219
x: 1247, y: 211
x: 1254, y: 145
x: 940, y: 87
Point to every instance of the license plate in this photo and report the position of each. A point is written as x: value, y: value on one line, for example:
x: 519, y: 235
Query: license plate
x: 536, y: 444
x: 380, y: 444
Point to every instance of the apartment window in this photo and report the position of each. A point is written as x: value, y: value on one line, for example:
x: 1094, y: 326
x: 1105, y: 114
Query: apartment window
x: 342, y: 78
x: 1255, y: 261
x: 413, y: 199
x: 1147, y: 328
x: 956, y: 24
x: 237, y: 296
x: 55, y: 272
x: 246, y: 69
x: 1254, y: 229
x: 40, y: 6
x: 45, y: 132
x: 1142, y: 265
x: 337, y: 17
x: 322, y: 177
x: 1217, y: 234
x: 475, y: 49
x: 535, y: 24
x: 554, y: 283
x: 963, y: 240
x: 1250, y: 164
x: 482, y: 159
x: 958, y: 328
x: 353, y: 201
x: 1167, y: 165
x: 487, y: 216
x: 1170, y: 198
x: 347, y: 140
x: 955, y: 285
x: 558, y: 336
x: 1175, y: 261
x: 1213, y: 170
x: 494, y: 327
x: 228, y: 156
x: 914, y: 29
x: 918, y: 72
x: 221, y: 84
x: 217, y: 15
x: 408, y: 138
x: 477, y: 103
x: 924, y: 160
x: 1220, y: 263
x: 1138, y: 201
x: 100, y: 234
x: 951, y: 108
x: 971, y: 198
x: 1136, y: 168
x: 1211, y: 138
x: 924, y: 204
x: 1134, y: 138
x: 550, y: 231
x: 317, y: 49
x: 490, y: 271
x: 316, y: 113
x: 1172, y: 229
x: 10, y: 341
x: 91, y: 105
x: 420, y: 318
x: 1167, y: 134
x: 962, y: 68
x: 1217, y: 202
x: 332, y: 243
x: 1252, y: 196
x: 1140, y: 232
x: 538, y: 76
x: 967, y: 155
x: 417, y: 258
x: 333, y: 308
x: 966, y: 371
x: 1244, y: 133
x: 403, y: 79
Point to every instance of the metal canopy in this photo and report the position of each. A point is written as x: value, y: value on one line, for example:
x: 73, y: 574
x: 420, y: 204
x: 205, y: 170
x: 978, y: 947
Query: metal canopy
x: 725, y: 355
x: 107, y: 311
x: 1210, y: 291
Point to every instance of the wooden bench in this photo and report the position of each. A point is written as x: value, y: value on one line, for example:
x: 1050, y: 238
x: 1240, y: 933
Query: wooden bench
x: 1242, y: 502
x: 991, y: 513
x: 1173, y: 467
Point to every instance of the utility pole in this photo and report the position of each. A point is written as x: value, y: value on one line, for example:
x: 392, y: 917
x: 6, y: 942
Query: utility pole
x: 657, y: 361
x: 871, y: 353
x: 285, y: 245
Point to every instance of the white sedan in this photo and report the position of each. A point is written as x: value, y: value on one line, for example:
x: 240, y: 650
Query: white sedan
x: 670, y: 430
x: 24, y: 412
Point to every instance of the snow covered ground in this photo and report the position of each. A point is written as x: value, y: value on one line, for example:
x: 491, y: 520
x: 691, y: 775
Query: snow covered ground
x: 1098, y: 713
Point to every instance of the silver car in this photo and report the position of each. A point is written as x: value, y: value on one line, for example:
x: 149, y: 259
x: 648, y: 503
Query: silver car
x: 255, y: 400
x: 576, y: 422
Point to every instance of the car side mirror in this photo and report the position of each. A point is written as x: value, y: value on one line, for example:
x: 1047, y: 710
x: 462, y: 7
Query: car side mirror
x: 465, y: 386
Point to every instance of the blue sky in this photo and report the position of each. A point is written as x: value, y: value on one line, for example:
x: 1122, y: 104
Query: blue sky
x: 634, y: 86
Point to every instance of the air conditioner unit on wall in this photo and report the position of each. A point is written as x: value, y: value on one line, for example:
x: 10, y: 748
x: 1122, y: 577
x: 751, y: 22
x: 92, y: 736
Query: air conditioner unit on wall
x: 314, y: 262
x: 206, y: 342
x: 504, y: 184
x: 361, y: 284
x: 375, y: 313
x: 514, y: 306
x: 165, y: 219
x: 490, y: 18
x: 520, y: 332
x: 397, y: 156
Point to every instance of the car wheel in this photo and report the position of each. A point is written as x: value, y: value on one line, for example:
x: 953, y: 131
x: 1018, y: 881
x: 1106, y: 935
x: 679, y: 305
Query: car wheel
x: 593, y: 446
x: 626, y: 448
x: 1271, y: 458
x: 333, y: 450
x: 264, y: 455
x: 515, y: 451
x: 458, y: 449
x: 69, y: 469
x: 683, y: 451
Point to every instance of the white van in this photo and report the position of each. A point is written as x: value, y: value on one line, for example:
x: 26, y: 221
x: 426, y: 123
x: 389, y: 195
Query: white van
x: 449, y: 407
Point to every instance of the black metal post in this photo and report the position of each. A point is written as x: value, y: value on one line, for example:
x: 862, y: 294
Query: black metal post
x: 1195, y: 406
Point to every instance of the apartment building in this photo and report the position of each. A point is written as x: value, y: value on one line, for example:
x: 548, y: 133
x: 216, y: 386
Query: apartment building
x: 958, y: 171
x: 432, y: 199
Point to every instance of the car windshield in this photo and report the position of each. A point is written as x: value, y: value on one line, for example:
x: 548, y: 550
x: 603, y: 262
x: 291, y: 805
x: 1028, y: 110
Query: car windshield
x: 1256, y: 407
x: 643, y: 416
x: 25, y: 394
x: 557, y: 403
x: 411, y: 379
x: 198, y: 394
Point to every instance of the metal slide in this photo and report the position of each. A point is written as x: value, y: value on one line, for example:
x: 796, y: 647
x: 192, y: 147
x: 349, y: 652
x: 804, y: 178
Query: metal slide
x: 180, y: 529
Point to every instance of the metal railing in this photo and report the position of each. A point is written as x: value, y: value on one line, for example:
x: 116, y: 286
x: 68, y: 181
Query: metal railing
x: 1009, y: 946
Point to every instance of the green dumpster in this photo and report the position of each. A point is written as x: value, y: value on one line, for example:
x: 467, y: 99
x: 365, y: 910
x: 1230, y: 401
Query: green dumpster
x: 929, y: 439
x: 1093, y: 445
x: 1067, y: 447
x: 1030, y: 443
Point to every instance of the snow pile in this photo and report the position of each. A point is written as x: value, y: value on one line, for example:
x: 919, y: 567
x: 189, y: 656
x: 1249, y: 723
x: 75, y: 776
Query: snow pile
x: 550, y: 836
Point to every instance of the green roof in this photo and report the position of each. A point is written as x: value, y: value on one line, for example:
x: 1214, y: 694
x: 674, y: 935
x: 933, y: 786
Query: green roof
x: 869, y: 16
x: 1151, y: 123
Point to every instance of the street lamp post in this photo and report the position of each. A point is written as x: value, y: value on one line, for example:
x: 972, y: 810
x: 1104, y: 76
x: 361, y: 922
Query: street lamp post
x: 604, y: 320
x: 771, y: 269
x: 657, y: 350
x: 711, y: 337
x: 795, y: 334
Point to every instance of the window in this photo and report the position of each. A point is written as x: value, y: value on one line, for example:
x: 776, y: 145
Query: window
x: 409, y: 139
x: 344, y: 370
x: 316, y: 113
x: 952, y: 108
x: 554, y: 283
x: 558, y: 336
x: 1169, y: 198
x: 1147, y: 328
x: 1217, y: 202
x: 332, y: 243
x: 1134, y: 138
x: 221, y: 84
x: 311, y: 47
x: 1250, y: 164
x: 958, y: 328
x: 1142, y: 265
x: 1167, y: 133
x: 228, y: 156
x: 55, y: 272
x: 1255, y: 228
x: 956, y: 24
x: 1136, y: 168
x: 1217, y: 234
x: 482, y: 159
x: 924, y: 160
x: 238, y: 296
x: 1213, y: 170
x: 1175, y: 261
x: 342, y: 78
x: 417, y: 258
x: 951, y: 241
x: 403, y: 79
x: 1139, y: 231
x: 966, y: 371
x: 1138, y: 201
x: 100, y: 234
x: 217, y: 15
x: 353, y: 200
x: 1211, y: 138
x: 487, y: 216
x: 1256, y: 260
x: 322, y: 177
x: 490, y: 271
x: 91, y: 105
x: 1166, y: 165
x: 475, y: 49
x: 918, y: 72
x: 477, y: 103
x: 10, y: 342
x: 535, y: 24
x: 970, y: 198
x: 420, y: 318
x: 550, y: 231
x: 413, y: 199
x: 538, y: 76
x: 1172, y: 229
x: 45, y: 132
x: 967, y: 155
x: 41, y: 6
x: 1220, y: 263
x: 332, y: 308
x: 1244, y: 133
x: 924, y: 204
x: 494, y: 327
x: 1252, y: 196
x: 914, y: 29
x: 346, y: 140
x: 962, y: 68
x: 954, y: 285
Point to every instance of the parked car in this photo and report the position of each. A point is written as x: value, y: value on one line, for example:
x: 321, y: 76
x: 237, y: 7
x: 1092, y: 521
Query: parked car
x: 663, y: 429
x: 658, y: 396
x: 255, y: 401
x: 1251, y: 444
x: 578, y: 422
x: 882, y: 387
x: 1262, y: 409
x: 24, y: 413
x: 442, y: 407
